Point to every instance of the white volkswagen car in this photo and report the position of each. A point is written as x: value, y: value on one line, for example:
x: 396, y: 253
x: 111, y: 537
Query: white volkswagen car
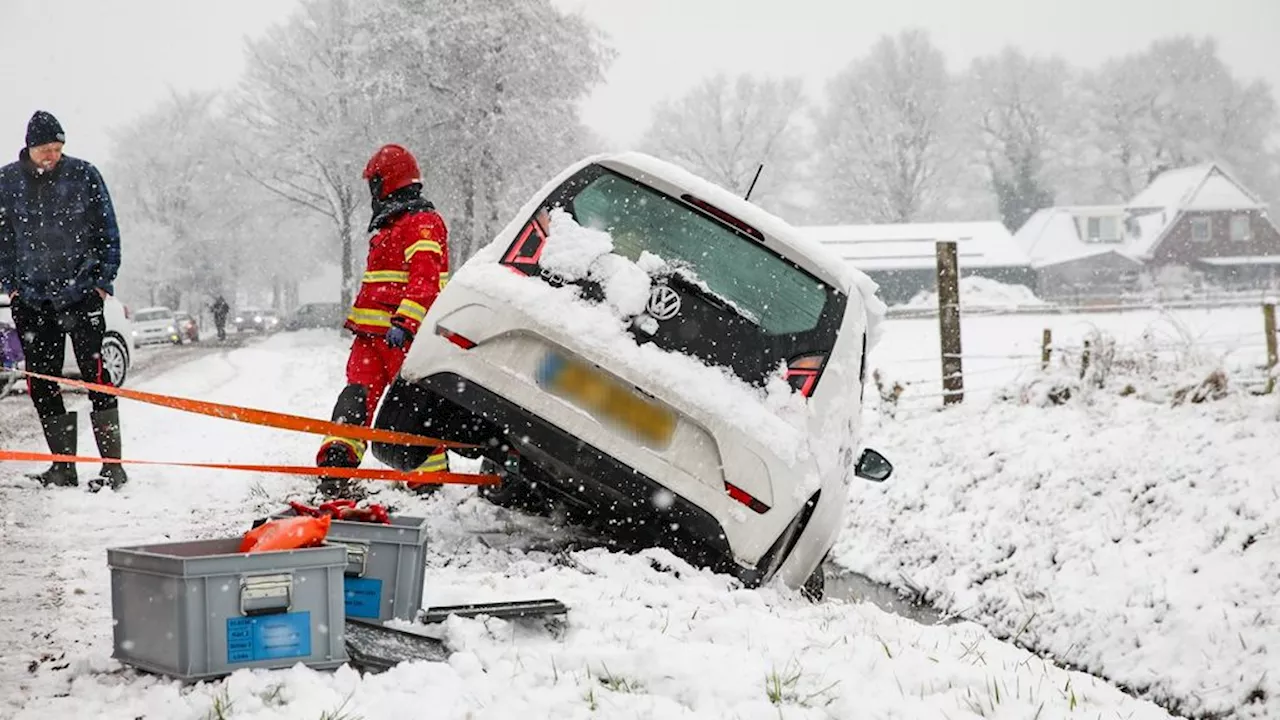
x: 654, y: 354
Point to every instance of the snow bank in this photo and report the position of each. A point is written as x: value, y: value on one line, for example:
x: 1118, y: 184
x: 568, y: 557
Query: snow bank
x: 1130, y: 539
x: 980, y: 292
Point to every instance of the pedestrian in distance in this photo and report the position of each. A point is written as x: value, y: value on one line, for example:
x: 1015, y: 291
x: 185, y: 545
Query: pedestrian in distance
x: 220, y: 311
x: 59, y: 255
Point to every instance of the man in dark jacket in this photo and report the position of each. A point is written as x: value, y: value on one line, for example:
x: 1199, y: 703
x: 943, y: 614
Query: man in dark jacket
x: 59, y: 253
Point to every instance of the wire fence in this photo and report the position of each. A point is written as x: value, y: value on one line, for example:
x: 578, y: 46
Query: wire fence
x: 913, y: 383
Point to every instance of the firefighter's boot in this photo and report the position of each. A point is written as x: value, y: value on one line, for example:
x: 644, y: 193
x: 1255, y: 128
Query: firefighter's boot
x: 342, y: 452
x: 438, y: 461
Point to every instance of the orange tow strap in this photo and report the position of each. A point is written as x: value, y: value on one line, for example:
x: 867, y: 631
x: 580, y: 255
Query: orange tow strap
x: 252, y: 416
x: 412, y: 478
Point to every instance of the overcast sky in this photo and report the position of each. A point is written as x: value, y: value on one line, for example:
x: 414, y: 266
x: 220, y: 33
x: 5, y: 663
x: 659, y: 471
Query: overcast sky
x: 97, y: 63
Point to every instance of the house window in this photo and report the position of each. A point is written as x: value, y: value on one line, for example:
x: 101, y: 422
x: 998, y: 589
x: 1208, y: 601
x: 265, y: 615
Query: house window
x: 1103, y: 229
x: 1241, y: 230
x: 1201, y: 230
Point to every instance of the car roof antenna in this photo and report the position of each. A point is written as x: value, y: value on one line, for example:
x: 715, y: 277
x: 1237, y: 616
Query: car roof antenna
x: 753, y: 182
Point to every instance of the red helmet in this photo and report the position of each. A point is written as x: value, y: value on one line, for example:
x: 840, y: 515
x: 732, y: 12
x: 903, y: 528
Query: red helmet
x: 392, y: 167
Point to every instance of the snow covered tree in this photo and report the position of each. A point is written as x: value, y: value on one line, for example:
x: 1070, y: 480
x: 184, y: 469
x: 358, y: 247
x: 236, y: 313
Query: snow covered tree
x: 724, y: 128
x: 484, y: 92
x: 188, y: 217
x: 1022, y: 116
x: 308, y: 115
x: 494, y: 88
x: 1174, y: 104
x: 883, y: 133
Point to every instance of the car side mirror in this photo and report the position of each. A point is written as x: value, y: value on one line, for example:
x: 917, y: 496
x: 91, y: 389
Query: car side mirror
x: 873, y: 466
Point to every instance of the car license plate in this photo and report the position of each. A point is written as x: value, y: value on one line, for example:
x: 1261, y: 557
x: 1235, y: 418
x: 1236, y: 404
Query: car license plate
x: 607, y: 399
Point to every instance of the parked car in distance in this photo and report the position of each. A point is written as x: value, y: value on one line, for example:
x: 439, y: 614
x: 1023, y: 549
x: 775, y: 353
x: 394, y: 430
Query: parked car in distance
x: 188, y: 327
x: 117, y: 343
x: 316, y: 315
x: 155, y: 326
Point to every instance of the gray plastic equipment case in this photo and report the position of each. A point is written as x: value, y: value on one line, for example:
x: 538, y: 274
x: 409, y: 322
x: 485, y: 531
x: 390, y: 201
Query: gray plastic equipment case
x: 202, y: 609
x: 385, y: 568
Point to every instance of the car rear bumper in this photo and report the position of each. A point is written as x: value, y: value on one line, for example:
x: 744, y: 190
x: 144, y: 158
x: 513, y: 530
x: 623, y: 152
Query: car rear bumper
x: 626, y: 501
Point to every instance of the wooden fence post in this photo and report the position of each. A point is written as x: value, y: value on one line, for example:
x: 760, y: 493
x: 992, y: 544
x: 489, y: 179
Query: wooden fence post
x: 1269, y: 322
x: 948, y: 277
x: 1046, y: 349
x: 1084, y: 360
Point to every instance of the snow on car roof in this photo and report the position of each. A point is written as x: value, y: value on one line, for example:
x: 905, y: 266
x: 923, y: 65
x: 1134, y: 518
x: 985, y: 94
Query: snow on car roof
x: 836, y: 271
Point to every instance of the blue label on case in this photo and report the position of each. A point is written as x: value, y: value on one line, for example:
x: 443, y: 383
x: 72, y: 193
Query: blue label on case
x: 363, y: 597
x: 268, y: 637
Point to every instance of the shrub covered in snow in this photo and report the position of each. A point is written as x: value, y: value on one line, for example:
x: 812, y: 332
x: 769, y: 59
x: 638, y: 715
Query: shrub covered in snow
x: 1172, y: 373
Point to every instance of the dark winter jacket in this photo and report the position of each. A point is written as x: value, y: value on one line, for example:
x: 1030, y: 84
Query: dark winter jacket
x: 58, y: 233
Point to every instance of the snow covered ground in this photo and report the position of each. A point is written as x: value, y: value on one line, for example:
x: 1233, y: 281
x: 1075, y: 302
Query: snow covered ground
x: 980, y: 293
x: 646, y: 636
x: 1000, y: 350
x: 1131, y: 538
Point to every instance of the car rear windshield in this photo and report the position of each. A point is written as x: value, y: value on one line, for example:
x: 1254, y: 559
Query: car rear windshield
x: 774, y: 294
x: 149, y: 315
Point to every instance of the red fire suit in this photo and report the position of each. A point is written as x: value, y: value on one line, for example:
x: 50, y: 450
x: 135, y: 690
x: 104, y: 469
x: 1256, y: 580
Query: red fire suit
x: 407, y: 266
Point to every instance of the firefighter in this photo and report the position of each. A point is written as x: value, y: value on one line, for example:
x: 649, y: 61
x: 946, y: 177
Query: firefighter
x: 407, y: 265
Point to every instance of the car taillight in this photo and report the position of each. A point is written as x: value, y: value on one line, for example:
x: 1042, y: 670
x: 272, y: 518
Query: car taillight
x: 453, y: 337
x: 523, y: 254
x: 803, y: 373
x: 722, y: 216
x: 745, y: 498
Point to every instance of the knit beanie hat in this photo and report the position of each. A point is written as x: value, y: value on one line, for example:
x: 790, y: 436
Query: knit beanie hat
x: 44, y: 129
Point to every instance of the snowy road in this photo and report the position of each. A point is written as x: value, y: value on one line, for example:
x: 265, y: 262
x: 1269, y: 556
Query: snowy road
x: 32, y: 531
x: 647, y: 636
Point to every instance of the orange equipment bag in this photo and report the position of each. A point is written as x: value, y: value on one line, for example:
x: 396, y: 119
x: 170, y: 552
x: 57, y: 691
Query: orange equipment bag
x: 286, y: 534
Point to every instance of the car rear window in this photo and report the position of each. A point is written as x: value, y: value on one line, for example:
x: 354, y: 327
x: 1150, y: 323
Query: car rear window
x: 777, y: 296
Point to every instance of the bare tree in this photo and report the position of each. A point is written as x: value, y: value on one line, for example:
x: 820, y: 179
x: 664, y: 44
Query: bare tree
x: 190, y: 218
x: 884, y: 133
x: 497, y: 87
x: 1174, y: 104
x: 725, y: 128
x: 309, y: 116
x: 1022, y: 113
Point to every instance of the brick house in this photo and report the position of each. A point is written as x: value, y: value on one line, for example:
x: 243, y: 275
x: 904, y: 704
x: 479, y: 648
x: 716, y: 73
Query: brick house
x: 1193, y: 226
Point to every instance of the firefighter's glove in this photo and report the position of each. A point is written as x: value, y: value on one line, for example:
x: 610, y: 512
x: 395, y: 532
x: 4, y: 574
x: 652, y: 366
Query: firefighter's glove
x: 398, y: 337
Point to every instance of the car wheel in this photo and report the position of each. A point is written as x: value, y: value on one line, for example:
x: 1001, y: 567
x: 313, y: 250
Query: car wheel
x: 115, y: 359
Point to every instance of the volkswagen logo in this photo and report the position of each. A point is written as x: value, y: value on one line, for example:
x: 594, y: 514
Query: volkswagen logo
x: 664, y: 303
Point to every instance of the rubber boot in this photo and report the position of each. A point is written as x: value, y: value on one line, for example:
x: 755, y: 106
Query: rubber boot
x: 336, y: 488
x: 351, y: 408
x: 106, y: 431
x: 60, y: 434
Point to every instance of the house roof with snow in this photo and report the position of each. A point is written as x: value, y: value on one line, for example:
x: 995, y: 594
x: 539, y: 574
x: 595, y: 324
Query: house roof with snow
x: 1199, y: 188
x: 1054, y: 235
x: 911, y: 246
